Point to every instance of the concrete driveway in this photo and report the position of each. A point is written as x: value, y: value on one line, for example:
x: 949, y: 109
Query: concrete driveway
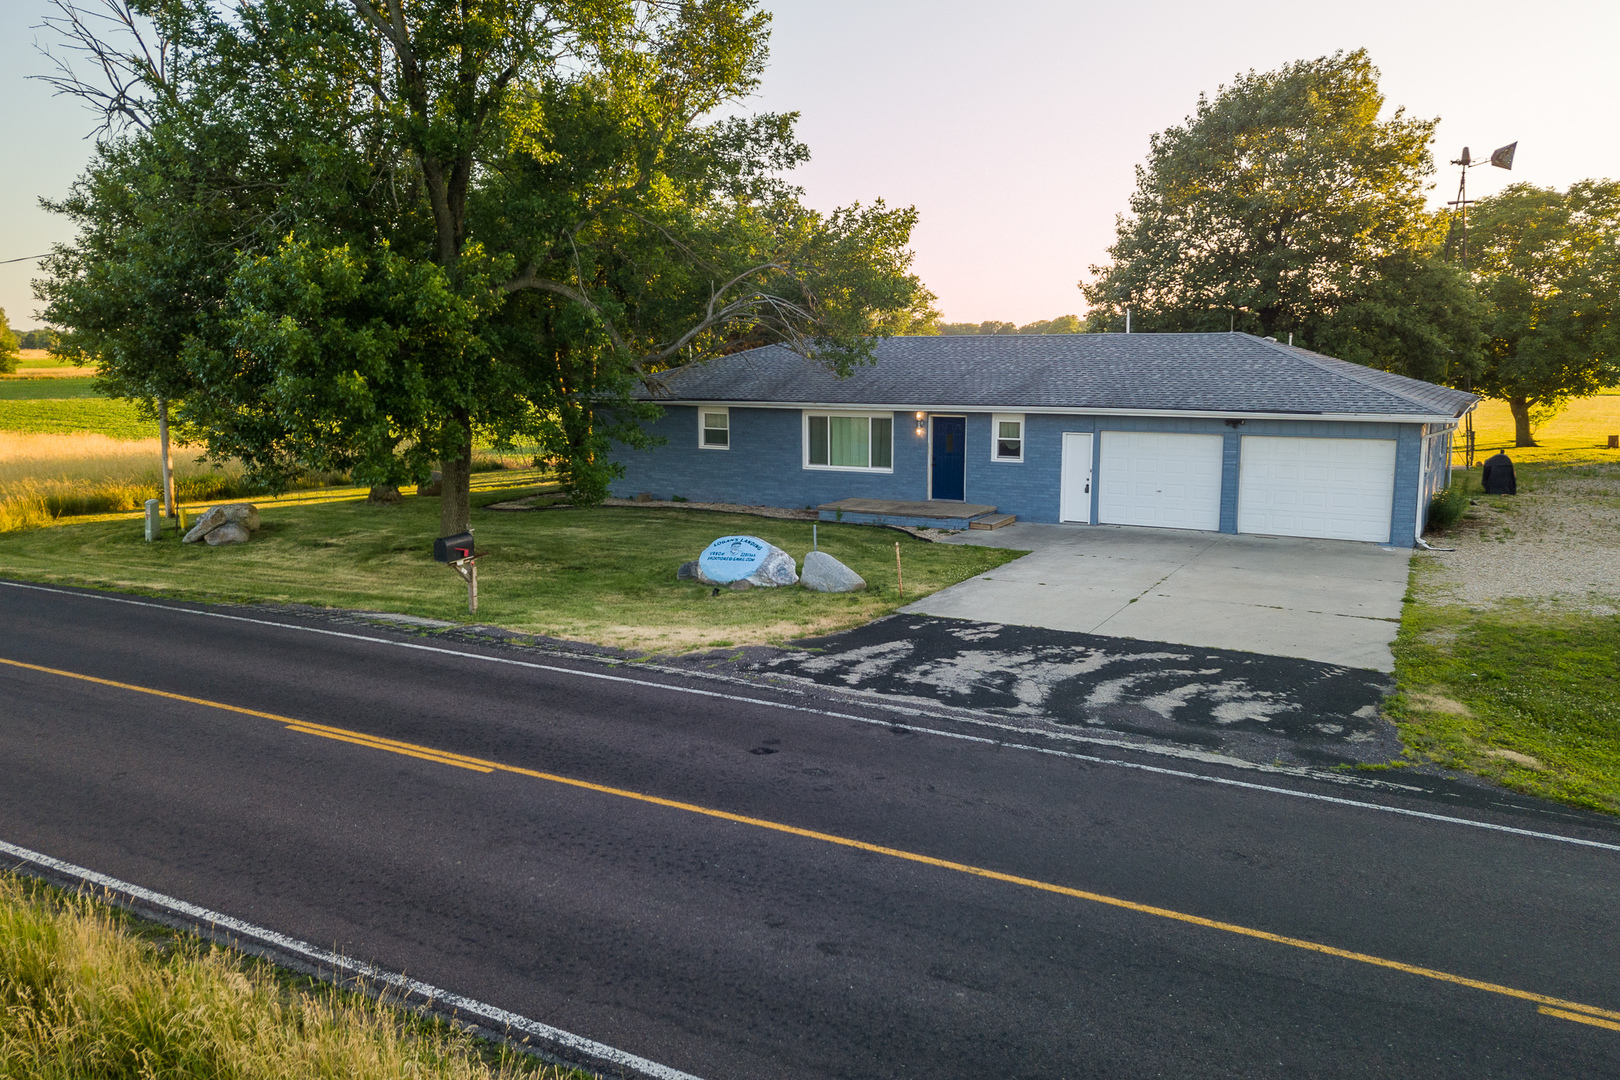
x: 1333, y: 601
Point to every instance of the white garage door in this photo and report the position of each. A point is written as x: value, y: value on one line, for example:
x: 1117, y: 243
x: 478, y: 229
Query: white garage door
x: 1338, y: 489
x: 1155, y: 478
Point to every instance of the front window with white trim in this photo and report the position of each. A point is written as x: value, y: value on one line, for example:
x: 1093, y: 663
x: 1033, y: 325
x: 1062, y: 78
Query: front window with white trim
x: 862, y: 441
x: 714, y: 429
x: 1008, y: 444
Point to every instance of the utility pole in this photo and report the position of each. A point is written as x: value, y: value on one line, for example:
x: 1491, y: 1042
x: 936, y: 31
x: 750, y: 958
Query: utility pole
x: 168, y: 470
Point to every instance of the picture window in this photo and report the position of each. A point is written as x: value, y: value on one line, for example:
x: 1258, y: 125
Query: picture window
x: 849, y: 441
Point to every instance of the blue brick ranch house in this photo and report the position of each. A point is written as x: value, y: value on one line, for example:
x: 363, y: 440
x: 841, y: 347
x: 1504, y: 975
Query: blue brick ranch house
x: 1220, y: 432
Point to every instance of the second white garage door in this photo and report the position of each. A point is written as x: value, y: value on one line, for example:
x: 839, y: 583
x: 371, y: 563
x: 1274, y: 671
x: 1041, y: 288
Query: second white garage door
x: 1157, y: 478
x: 1336, y: 489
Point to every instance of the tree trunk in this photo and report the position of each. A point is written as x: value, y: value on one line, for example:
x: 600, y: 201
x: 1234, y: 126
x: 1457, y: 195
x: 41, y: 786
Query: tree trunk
x: 455, y: 505
x: 1520, y: 407
x: 168, y: 469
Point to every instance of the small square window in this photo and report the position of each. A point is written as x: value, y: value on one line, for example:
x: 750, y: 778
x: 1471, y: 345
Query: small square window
x: 714, y: 430
x: 1008, y: 444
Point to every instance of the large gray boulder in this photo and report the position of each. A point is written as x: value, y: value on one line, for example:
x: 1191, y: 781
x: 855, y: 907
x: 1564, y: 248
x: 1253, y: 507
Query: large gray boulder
x: 244, y: 514
x: 777, y: 570
x: 823, y: 573
x: 229, y: 533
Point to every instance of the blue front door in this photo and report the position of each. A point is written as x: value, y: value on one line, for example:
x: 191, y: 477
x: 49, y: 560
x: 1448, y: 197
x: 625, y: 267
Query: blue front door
x: 950, y: 457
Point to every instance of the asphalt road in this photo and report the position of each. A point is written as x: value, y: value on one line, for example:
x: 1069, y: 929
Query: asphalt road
x: 728, y: 949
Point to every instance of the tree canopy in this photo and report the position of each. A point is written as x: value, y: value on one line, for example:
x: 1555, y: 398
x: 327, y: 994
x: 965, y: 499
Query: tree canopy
x: 1548, y: 266
x: 361, y: 235
x: 8, y: 344
x: 1285, y: 205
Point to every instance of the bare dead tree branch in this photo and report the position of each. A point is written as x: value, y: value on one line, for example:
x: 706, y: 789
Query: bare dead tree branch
x: 131, y: 78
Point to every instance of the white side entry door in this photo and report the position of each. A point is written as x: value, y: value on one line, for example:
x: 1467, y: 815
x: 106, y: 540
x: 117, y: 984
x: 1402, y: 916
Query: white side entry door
x: 1075, y: 485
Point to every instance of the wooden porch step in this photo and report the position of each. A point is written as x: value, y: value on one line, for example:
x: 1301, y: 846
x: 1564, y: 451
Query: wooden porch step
x: 992, y: 521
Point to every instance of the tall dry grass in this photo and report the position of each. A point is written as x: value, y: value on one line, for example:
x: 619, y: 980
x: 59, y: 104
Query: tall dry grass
x: 83, y: 998
x: 46, y: 476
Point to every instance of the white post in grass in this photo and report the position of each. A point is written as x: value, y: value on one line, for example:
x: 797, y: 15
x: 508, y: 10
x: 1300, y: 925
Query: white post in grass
x: 168, y: 470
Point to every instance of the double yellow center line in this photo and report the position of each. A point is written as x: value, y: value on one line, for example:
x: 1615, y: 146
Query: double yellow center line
x: 1550, y: 1006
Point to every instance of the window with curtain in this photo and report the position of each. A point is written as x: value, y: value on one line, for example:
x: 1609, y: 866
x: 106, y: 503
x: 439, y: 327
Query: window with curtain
x: 1008, y: 444
x: 714, y: 428
x: 850, y: 441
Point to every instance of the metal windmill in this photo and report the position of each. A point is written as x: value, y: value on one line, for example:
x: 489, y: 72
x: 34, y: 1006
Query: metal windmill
x: 1502, y: 158
x: 1457, y: 238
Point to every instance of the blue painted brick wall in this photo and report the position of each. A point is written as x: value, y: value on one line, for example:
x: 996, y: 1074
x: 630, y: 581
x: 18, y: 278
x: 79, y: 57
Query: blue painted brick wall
x: 764, y: 465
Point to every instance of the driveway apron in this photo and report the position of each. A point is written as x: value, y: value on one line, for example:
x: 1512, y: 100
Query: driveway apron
x: 1333, y: 601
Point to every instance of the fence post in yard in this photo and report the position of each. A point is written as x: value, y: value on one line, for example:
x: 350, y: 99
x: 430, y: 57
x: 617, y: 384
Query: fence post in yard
x: 154, y: 522
x: 899, y: 578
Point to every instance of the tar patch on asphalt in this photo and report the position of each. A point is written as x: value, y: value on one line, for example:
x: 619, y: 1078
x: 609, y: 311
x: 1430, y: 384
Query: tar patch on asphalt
x: 1182, y: 692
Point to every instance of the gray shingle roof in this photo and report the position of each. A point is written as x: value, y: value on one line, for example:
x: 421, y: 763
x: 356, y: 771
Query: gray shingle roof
x: 1017, y: 373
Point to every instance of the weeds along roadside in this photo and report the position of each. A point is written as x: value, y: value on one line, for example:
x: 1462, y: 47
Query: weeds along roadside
x: 88, y: 992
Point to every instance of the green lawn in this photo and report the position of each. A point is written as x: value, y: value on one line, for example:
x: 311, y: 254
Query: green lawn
x: 1519, y: 692
x: 1528, y: 698
x: 116, y: 419
x: 604, y: 575
x: 34, y: 389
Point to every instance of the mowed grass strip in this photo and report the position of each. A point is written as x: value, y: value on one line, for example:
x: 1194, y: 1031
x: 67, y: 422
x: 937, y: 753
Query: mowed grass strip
x: 603, y: 575
x: 102, y: 416
x: 1527, y: 698
x: 14, y: 388
x: 89, y: 994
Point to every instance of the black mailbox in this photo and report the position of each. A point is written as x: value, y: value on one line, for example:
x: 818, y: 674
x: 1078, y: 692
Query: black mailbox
x: 453, y: 548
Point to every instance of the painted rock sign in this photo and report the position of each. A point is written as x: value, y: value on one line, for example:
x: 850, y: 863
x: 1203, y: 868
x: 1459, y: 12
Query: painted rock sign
x: 732, y: 558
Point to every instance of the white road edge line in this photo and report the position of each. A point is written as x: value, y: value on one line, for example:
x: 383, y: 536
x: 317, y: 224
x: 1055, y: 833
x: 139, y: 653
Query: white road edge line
x: 496, y: 1016
x: 1091, y: 758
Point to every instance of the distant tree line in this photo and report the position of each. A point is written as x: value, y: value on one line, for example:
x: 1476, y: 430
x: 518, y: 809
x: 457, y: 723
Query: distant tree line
x: 1063, y: 324
x: 44, y: 338
x: 1285, y: 207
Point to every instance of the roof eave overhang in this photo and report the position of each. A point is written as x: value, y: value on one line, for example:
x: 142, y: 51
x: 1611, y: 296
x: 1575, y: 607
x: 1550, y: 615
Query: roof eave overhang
x: 1070, y: 410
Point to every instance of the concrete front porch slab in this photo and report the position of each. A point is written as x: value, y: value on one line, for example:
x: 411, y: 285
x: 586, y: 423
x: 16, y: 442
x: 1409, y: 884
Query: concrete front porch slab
x: 925, y: 513
x: 1332, y: 601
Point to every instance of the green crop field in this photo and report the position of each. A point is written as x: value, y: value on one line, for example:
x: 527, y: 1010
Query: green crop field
x: 116, y: 419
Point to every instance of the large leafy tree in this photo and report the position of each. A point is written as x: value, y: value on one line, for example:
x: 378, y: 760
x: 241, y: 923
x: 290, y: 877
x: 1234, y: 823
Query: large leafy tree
x: 1548, y: 266
x: 449, y: 220
x: 1285, y: 205
x: 8, y: 345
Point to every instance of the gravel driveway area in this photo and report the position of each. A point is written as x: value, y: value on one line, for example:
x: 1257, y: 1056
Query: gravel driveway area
x: 1558, y: 543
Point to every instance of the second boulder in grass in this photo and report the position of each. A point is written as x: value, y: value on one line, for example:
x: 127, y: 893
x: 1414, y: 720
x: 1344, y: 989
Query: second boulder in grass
x: 243, y: 515
x: 823, y: 573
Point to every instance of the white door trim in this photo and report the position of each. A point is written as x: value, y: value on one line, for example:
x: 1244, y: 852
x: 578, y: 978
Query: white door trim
x: 1075, y: 480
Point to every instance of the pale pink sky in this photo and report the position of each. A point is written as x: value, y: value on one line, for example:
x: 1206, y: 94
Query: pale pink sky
x: 1014, y: 128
